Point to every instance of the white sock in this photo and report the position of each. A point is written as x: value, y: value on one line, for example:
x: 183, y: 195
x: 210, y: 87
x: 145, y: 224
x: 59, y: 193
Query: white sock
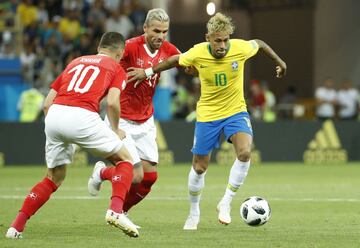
x: 195, y: 184
x: 237, y: 176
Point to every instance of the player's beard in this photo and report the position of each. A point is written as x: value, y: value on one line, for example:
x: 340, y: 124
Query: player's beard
x: 156, y: 44
x: 220, y: 54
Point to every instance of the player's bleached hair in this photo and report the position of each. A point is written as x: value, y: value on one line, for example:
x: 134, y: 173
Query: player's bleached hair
x: 220, y: 23
x: 157, y: 15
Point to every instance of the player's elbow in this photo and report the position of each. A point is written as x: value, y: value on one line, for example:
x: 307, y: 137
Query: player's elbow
x: 260, y: 43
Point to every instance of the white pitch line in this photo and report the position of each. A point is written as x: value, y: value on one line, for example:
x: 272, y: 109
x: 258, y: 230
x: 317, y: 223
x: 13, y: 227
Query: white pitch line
x: 170, y: 198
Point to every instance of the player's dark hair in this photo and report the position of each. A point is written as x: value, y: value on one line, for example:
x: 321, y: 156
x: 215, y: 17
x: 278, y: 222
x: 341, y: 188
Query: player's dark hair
x: 112, y: 41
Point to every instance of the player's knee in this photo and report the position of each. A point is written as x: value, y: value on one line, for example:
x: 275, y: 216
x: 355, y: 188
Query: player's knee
x: 121, y: 155
x: 244, y: 155
x: 200, y: 169
x: 57, y: 174
x: 138, y: 173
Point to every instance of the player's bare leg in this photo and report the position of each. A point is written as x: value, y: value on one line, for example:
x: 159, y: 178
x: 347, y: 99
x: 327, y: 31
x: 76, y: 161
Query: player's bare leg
x: 242, y: 143
x: 196, y: 183
x: 37, y: 197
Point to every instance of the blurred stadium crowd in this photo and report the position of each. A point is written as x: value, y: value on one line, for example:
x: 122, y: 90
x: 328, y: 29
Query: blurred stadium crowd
x: 46, y: 35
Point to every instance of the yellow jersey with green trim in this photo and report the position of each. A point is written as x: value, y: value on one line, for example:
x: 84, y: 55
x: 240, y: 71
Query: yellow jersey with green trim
x: 222, y: 80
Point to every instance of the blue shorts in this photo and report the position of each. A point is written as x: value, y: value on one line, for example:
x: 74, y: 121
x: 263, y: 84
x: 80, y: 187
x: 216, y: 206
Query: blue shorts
x: 207, y: 134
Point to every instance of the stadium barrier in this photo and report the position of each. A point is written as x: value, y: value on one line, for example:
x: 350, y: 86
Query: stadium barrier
x: 310, y: 142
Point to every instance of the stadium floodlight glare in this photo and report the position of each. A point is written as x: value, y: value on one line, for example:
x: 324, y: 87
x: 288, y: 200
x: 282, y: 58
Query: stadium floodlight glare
x: 210, y: 8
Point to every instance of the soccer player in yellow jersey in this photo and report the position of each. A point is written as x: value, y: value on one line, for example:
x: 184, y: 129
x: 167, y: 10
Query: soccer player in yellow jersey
x: 221, y: 108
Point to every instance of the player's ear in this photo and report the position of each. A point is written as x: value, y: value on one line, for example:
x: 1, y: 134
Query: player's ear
x: 144, y: 27
x: 207, y: 37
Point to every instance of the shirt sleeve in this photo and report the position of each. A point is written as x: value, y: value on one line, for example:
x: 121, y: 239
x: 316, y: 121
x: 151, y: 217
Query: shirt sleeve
x: 248, y: 47
x: 57, y: 83
x: 119, y: 79
x: 173, y: 50
x: 187, y: 58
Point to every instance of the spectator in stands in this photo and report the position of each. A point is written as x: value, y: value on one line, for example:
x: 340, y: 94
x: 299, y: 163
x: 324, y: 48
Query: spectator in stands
x: 180, y: 98
x: 52, y: 47
x: 287, y: 103
x: 119, y: 22
x: 27, y: 12
x: 32, y: 33
x: 137, y: 14
x: 52, y: 29
x: 326, y: 99
x: 27, y: 59
x: 30, y: 105
x: 348, y: 101
x: 257, y: 100
x: 84, y: 46
x: 54, y: 8
x: 69, y: 25
x: 269, y: 114
x: 76, y: 5
x: 7, y: 51
x: 111, y: 5
x: 6, y: 48
x: 96, y: 18
x: 42, y: 13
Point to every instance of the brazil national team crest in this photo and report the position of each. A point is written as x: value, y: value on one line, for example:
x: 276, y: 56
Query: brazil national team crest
x: 234, y: 66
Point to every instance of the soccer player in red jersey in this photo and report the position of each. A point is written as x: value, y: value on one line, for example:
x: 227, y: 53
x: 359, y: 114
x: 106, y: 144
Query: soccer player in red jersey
x: 71, y: 110
x: 137, y: 108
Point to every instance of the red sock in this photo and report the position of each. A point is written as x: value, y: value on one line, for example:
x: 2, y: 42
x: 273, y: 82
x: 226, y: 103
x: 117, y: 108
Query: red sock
x: 139, y: 191
x: 121, y: 182
x: 106, y: 173
x: 38, y: 195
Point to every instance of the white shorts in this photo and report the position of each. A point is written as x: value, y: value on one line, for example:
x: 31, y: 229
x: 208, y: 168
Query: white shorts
x: 140, y: 139
x: 66, y: 126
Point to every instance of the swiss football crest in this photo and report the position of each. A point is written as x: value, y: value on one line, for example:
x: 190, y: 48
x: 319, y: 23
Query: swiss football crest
x: 116, y: 178
x: 32, y: 195
x: 140, y: 62
x: 235, y: 66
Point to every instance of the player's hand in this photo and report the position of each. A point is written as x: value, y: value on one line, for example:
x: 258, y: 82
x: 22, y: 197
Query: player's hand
x: 191, y: 70
x: 121, y: 134
x: 281, y: 69
x: 136, y: 75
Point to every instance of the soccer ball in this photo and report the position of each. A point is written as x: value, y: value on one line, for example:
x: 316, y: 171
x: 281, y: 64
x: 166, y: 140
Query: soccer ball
x: 255, y: 211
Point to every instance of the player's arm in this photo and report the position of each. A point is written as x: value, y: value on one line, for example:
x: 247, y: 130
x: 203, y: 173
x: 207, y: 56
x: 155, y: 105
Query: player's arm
x: 49, y: 100
x: 139, y: 74
x: 113, y: 110
x: 280, y: 64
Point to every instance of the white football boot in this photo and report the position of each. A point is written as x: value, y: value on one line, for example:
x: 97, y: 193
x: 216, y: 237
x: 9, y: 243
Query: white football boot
x: 121, y: 221
x: 192, y: 222
x: 224, y: 210
x: 95, y: 180
x: 12, y: 233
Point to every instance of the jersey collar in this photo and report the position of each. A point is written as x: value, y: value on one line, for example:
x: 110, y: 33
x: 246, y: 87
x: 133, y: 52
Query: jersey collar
x: 147, y: 50
x: 152, y: 55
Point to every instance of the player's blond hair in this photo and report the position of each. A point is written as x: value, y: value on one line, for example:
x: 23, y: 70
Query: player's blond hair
x: 220, y: 23
x: 157, y: 15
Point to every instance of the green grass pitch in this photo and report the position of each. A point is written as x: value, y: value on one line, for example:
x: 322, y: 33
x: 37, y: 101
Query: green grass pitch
x: 312, y: 207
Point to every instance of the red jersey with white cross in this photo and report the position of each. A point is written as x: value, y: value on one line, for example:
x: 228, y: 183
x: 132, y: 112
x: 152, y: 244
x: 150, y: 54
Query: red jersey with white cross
x: 136, y: 103
x: 86, y: 80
